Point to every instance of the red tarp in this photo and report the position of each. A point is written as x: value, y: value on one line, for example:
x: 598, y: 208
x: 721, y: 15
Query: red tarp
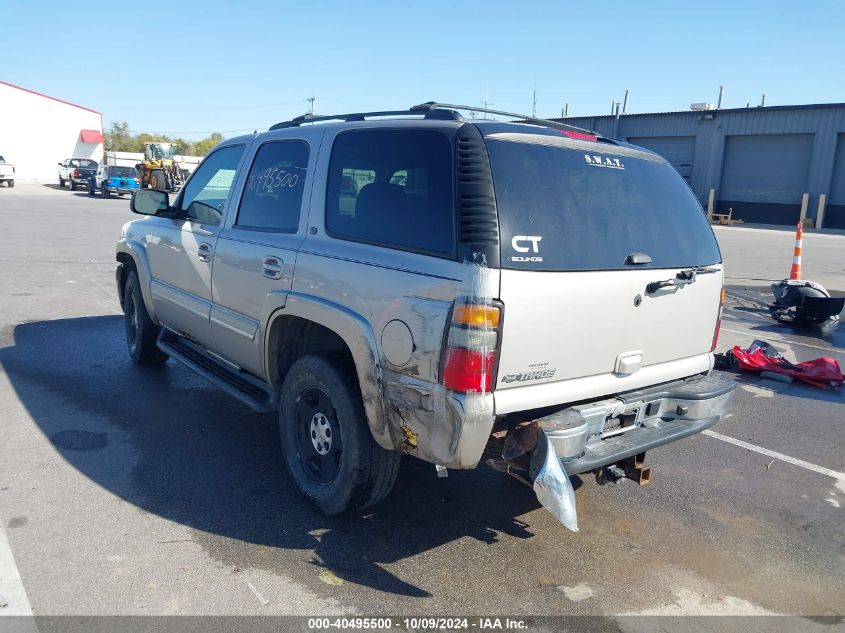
x: 91, y: 136
x: 821, y: 372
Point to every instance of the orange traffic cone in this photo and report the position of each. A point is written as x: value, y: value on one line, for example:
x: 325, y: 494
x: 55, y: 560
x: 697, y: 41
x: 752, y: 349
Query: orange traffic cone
x: 795, y: 271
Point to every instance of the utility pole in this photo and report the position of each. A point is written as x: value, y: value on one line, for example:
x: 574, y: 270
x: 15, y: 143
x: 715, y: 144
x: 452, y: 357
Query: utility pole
x: 486, y: 103
x: 625, y: 103
x: 534, y: 109
x: 313, y: 108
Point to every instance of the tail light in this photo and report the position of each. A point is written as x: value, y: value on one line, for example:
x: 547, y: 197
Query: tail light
x: 718, y: 321
x: 471, y: 349
x: 76, y: 173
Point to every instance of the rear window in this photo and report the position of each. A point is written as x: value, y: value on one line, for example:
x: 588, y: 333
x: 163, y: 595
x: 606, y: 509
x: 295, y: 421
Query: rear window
x: 122, y: 172
x: 392, y: 188
x: 84, y: 163
x: 575, y: 205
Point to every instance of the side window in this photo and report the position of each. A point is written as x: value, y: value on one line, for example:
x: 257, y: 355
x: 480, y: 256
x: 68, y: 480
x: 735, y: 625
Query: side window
x: 272, y: 198
x: 392, y: 188
x: 205, y: 194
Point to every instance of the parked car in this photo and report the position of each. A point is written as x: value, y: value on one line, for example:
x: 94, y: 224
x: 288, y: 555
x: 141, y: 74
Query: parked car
x: 7, y: 173
x: 113, y: 179
x: 76, y: 171
x: 528, y: 294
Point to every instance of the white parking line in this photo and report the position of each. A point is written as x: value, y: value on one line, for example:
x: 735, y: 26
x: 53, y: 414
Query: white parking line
x: 782, y: 340
x: 784, y: 458
x: 13, y: 600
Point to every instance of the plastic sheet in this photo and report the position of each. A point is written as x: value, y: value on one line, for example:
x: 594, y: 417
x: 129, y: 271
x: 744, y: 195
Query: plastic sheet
x: 820, y: 372
x: 553, y: 488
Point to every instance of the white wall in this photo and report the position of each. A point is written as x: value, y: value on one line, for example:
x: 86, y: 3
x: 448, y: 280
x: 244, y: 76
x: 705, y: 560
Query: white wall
x: 37, y: 132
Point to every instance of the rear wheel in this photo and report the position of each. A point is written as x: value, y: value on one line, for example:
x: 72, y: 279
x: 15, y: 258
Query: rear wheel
x: 72, y: 185
x: 141, y: 332
x: 329, y: 452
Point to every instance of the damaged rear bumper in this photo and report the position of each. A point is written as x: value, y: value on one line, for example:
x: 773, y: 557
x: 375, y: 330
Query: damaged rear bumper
x: 588, y: 436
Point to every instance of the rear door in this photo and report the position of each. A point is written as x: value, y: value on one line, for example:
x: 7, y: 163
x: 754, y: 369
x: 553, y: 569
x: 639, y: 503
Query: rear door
x: 586, y: 226
x: 256, y: 251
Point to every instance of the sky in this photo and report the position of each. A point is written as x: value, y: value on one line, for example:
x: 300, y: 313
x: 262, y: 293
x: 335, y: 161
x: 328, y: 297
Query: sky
x: 236, y: 66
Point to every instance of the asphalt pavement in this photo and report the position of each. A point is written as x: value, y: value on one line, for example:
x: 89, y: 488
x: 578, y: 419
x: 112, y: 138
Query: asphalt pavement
x: 133, y: 491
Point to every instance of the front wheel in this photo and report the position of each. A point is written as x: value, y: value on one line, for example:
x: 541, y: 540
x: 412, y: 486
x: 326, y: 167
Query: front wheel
x: 141, y: 332
x: 329, y: 452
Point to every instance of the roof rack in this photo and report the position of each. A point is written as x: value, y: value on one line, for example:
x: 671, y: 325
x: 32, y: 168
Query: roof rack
x: 435, y: 105
x: 429, y: 110
x: 428, y: 113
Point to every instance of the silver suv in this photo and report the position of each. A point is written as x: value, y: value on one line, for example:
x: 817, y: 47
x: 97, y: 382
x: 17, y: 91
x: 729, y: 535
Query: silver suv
x: 523, y: 293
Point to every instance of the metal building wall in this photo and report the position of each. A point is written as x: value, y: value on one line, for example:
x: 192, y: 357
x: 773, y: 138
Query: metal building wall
x: 825, y: 123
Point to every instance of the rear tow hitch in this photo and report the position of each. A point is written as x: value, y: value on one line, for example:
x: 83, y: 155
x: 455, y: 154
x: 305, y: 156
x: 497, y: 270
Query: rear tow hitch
x: 632, y: 468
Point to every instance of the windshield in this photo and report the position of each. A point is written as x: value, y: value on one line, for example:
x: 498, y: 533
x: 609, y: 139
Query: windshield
x: 161, y: 151
x: 121, y: 172
x: 575, y: 205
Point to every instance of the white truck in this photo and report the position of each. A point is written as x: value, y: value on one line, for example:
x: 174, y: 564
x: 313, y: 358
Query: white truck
x: 7, y: 173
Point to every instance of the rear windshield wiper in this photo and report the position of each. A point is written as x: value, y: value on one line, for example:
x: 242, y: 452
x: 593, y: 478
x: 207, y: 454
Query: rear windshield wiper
x: 683, y: 278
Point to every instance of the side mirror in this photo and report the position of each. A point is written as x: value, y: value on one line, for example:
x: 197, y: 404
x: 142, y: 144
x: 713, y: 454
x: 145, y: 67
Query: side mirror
x: 60, y: 165
x: 150, y: 202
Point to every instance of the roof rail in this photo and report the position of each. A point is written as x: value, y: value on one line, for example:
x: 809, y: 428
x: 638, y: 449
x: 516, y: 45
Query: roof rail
x: 435, y: 105
x: 428, y: 113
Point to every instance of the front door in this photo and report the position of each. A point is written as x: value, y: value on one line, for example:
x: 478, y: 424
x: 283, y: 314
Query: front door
x: 181, y: 250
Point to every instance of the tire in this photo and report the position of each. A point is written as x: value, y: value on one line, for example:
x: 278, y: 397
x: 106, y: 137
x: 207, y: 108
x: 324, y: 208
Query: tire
x: 72, y: 185
x: 158, y: 180
x: 141, y: 332
x: 104, y: 191
x: 10, y: 183
x: 61, y: 182
x: 328, y: 449
x: 91, y: 190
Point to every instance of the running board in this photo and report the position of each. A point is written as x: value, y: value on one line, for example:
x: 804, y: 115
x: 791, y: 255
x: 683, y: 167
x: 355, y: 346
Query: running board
x: 245, y: 387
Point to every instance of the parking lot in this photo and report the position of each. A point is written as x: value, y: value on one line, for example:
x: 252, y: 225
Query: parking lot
x: 132, y: 491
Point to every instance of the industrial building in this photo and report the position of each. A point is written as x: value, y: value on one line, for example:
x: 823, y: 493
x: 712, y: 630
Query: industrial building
x: 38, y: 131
x: 772, y: 165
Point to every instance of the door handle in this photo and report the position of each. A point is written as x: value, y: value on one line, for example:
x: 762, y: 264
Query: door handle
x: 272, y: 267
x: 204, y: 252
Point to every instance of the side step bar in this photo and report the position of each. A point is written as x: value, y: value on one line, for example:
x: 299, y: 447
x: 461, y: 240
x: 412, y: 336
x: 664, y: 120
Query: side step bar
x: 245, y: 387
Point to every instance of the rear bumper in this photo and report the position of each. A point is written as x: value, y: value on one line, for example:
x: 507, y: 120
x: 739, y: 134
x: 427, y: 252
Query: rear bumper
x: 592, y: 435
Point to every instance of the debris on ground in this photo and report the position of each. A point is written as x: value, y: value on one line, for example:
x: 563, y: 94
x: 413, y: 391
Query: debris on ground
x: 762, y: 358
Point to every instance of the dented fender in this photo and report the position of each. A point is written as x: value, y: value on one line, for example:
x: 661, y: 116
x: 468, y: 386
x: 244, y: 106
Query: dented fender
x: 358, y: 335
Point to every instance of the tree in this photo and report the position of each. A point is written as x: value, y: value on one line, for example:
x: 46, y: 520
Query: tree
x: 207, y: 144
x: 119, y: 139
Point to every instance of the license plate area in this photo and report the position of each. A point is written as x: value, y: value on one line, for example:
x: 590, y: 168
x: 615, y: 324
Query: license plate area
x: 628, y: 420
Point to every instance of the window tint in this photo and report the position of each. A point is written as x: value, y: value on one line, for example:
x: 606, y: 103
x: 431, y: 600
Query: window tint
x: 206, y: 192
x: 272, y: 197
x: 392, y: 187
x: 587, y: 208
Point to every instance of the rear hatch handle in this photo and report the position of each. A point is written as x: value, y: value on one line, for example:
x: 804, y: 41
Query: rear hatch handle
x: 683, y: 278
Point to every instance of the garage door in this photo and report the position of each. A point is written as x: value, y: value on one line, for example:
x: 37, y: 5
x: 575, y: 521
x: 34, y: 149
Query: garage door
x: 764, y: 177
x: 834, y: 215
x: 678, y: 150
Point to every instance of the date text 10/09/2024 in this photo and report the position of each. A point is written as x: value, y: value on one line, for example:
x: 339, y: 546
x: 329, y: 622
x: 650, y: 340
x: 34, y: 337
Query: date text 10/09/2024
x: 419, y: 624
